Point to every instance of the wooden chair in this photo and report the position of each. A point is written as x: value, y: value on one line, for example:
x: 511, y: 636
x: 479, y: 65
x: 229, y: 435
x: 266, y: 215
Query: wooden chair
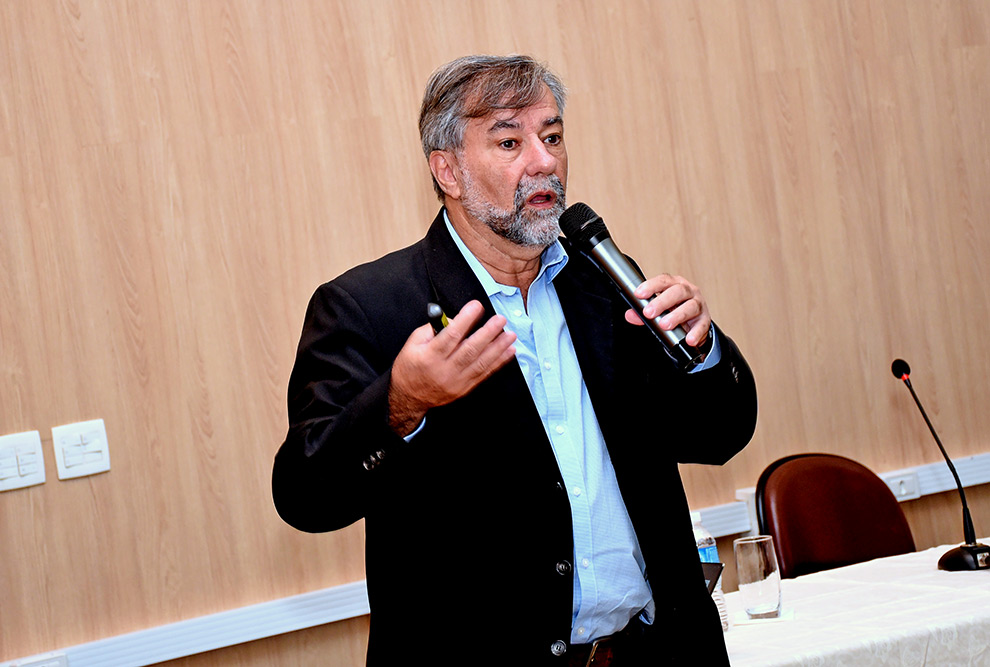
x: 826, y: 511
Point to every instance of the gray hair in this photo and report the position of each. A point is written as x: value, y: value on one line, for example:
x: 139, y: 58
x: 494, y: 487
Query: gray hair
x: 475, y: 86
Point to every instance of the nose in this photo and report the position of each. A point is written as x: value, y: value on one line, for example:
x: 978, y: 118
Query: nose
x: 539, y: 160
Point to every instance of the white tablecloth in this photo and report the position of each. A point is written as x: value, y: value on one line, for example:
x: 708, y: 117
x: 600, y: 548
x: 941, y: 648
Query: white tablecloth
x: 899, y: 611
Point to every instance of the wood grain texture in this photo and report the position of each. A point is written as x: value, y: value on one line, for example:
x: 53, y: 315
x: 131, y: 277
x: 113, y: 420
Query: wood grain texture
x: 341, y: 644
x: 177, y: 177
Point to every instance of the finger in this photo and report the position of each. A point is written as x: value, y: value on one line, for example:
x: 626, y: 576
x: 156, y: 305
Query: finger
x: 468, y: 315
x: 668, y: 300
x: 693, y: 316
x: 421, y: 335
x: 459, y: 327
x: 699, y: 331
x: 698, y: 328
x: 684, y: 313
x: 668, y: 318
x: 633, y: 318
x: 681, y: 312
x: 655, y: 285
x: 473, y: 347
x: 491, y: 358
x: 470, y: 366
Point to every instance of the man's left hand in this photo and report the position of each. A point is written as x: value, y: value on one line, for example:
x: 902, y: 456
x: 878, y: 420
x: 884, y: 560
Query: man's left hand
x: 684, y: 302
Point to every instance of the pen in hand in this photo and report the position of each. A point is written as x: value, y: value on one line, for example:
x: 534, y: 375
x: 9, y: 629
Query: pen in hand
x: 438, y: 320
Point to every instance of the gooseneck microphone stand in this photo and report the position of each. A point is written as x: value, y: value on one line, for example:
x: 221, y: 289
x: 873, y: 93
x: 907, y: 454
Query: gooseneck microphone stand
x: 972, y: 555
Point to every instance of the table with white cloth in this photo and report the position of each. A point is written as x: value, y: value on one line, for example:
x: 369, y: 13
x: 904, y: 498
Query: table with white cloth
x: 900, y: 610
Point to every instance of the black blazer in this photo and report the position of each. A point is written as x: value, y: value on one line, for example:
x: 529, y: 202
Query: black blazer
x: 468, y: 527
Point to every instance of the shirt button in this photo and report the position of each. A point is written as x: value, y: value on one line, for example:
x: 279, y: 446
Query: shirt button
x: 585, y: 562
x: 558, y: 648
x: 560, y: 430
x: 547, y: 365
x: 517, y: 312
x: 576, y: 490
x: 563, y: 567
x: 580, y: 630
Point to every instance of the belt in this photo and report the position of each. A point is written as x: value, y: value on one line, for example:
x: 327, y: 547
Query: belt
x: 619, y: 650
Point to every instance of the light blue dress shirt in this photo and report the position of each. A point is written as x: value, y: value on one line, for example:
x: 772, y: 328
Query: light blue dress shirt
x: 610, y: 585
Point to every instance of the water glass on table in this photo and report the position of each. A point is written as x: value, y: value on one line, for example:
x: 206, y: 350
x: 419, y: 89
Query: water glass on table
x: 759, y: 576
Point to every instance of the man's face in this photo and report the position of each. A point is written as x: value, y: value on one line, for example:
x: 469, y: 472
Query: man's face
x: 513, y: 167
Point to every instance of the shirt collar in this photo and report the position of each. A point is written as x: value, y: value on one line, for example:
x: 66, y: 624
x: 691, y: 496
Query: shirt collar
x: 552, y: 260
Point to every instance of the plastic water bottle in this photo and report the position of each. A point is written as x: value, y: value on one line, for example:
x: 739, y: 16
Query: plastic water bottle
x: 708, y: 553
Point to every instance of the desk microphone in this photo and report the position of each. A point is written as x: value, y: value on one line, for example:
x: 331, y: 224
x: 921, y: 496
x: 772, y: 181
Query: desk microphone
x: 586, y: 230
x: 972, y: 555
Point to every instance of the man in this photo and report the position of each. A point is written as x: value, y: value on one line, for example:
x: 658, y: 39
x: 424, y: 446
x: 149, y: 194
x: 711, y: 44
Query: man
x: 516, y: 470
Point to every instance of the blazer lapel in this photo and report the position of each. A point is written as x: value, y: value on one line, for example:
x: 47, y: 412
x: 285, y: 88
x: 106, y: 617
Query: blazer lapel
x: 451, y: 279
x: 588, y: 311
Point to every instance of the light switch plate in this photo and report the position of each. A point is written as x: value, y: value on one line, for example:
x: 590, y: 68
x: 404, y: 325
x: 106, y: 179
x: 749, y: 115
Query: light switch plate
x: 81, y: 449
x: 22, y: 462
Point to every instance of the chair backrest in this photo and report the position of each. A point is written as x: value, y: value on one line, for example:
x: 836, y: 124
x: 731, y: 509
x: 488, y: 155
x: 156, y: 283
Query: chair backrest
x: 826, y: 511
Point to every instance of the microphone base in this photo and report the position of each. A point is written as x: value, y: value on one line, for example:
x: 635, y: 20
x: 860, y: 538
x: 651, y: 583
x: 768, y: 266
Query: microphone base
x: 965, y: 558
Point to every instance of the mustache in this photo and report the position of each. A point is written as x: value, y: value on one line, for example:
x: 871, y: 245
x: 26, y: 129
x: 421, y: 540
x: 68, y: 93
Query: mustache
x: 529, y: 186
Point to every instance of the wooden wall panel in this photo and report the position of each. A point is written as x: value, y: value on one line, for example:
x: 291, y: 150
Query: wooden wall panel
x: 341, y: 644
x: 177, y: 177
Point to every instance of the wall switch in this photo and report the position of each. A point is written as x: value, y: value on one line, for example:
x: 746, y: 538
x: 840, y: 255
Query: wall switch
x: 22, y: 462
x: 81, y: 449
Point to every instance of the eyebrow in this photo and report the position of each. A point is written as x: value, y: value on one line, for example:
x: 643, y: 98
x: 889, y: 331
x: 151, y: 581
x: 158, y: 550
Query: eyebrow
x: 512, y: 124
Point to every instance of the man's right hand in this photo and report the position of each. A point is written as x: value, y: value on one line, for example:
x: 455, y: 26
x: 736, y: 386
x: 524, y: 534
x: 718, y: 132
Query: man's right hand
x: 433, y: 370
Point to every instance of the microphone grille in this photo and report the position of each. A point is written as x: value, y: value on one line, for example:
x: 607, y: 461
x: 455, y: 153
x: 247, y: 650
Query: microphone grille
x: 900, y: 369
x: 580, y: 223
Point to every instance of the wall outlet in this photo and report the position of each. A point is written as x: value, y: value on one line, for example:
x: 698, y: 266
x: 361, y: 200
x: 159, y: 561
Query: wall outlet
x: 904, y: 484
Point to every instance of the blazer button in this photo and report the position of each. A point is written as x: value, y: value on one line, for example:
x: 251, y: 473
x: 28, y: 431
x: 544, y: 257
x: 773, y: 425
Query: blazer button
x: 558, y: 648
x: 563, y: 567
x: 373, y: 459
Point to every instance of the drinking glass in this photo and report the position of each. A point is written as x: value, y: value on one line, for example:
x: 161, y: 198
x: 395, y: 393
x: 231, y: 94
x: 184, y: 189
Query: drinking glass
x: 759, y: 576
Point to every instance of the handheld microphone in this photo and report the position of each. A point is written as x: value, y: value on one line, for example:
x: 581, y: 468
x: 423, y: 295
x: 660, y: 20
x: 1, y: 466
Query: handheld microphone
x: 586, y: 230
x: 972, y: 555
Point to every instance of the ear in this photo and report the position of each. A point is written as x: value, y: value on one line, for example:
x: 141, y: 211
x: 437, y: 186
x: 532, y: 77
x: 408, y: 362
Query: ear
x: 443, y: 164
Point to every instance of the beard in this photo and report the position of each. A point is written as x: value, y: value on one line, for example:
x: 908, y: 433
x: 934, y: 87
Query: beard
x: 525, y: 228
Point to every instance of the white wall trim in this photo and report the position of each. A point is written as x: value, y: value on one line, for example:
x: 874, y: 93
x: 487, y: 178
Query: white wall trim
x: 268, y: 619
x: 936, y: 478
x: 226, y: 628
x: 727, y: 519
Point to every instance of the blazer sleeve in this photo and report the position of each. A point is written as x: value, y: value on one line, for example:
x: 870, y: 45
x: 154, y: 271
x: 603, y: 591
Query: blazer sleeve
x: 719, y: 406
x: 338, y: 437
